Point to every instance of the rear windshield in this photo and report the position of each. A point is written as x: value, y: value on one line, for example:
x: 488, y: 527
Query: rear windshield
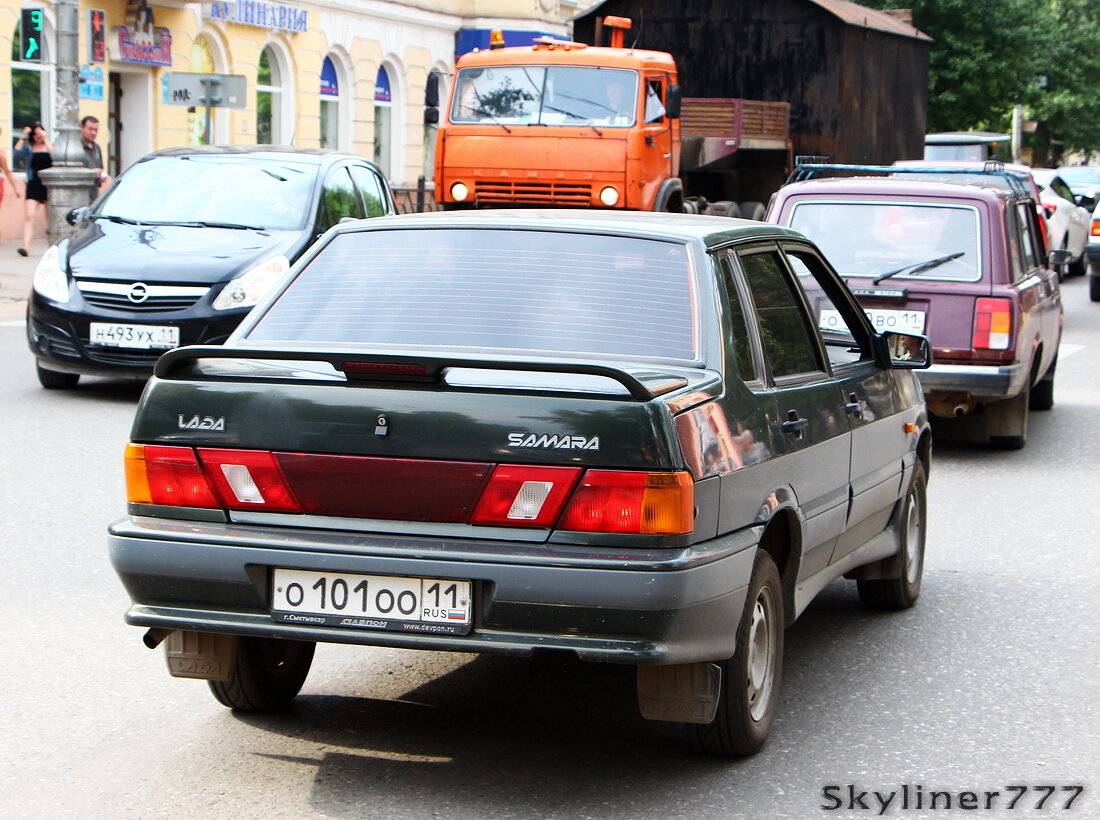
x: 473, y: 290
x: 875, y: 238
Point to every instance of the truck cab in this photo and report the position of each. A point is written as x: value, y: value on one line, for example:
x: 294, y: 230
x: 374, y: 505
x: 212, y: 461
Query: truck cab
x: 561, y: 124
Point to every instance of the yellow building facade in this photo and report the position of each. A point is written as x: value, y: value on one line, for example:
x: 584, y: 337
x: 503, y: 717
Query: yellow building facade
x: 345, y: 74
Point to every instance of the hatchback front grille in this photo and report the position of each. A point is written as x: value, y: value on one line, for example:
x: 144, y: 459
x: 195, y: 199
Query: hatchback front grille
x: 137, y: 297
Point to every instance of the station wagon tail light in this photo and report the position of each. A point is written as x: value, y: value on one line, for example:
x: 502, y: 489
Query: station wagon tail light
x: 632, y: 502
x: 166, y: 475
x: 248, y: 479
x: 992, y: 324
x: 522, y: 496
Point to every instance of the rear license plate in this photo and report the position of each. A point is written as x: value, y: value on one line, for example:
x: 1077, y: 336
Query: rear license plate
x: 902, y: 321
x: 143, y: 337
x: 371, y: 601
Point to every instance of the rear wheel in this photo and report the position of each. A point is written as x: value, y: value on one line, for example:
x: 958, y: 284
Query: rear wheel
x: 54, y: 380
x: 267, y: 674
x: 1042, y: 394
x: 1094, y: 287
x: 901, y: 592
x: 1077, y: 267
x: 749, y: 696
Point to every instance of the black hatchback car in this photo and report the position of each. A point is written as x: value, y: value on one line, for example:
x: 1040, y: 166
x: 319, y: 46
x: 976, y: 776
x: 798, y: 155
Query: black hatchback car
x: 620, y: 436
x: 184, y: 243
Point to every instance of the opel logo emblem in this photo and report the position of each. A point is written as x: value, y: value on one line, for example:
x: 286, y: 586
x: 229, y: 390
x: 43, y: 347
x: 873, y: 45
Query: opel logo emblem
x: 138, y: 293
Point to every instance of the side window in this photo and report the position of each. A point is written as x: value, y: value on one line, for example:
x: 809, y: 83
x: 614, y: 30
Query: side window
x: 840, y: 328
x: 338, y: 199
x: 1025, y: 215
x: 785, y: 332
x: 655, y: 101
x: 740, y: 342
x: 1062, y: 190
x: 371, y: 189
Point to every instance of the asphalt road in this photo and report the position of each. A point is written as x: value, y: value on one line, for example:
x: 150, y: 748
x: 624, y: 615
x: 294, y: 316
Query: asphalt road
x: 990, y: 682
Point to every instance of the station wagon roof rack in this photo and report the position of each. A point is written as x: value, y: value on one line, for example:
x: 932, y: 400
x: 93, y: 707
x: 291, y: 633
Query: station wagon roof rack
x: 814, y: 168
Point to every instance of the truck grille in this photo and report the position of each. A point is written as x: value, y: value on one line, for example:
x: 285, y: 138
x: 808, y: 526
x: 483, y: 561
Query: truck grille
x: 534, y: 192
x: 137, y: 297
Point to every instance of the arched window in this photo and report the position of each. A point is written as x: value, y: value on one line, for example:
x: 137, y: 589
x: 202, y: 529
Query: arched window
x: 332, y: 96
x: 201, y: 62
x: 30, y: 88
x: 269, y: 99
x: 383, y: 136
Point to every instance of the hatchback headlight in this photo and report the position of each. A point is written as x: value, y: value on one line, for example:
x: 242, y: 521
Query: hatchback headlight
x: 49, y: 277
x: 252, y: 285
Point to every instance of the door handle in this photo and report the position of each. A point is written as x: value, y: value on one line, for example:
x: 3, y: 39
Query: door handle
x: 794, y: 425
x: 854, y: 407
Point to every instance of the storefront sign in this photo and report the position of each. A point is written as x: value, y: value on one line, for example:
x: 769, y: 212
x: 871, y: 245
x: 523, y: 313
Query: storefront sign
x: 260, y: 14
x: 143, y: 48
x: 91, y: 82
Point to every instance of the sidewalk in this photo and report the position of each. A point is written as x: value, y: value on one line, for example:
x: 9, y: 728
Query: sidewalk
x: 15, y: 277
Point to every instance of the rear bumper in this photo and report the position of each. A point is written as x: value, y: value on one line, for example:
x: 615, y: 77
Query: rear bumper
x: 979, y: 381
x: 648, y: 607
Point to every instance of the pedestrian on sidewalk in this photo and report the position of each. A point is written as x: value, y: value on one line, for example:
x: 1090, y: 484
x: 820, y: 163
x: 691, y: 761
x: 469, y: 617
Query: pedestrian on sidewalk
x: 5, y: 169
x: 34, y: 135
x: 93, y: 154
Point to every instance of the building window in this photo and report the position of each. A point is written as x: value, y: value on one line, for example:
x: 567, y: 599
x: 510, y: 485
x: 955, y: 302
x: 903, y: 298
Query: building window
x: 30, y: 89
x: 330, y: 105
x: 383, y: 137
x: 269, y: 93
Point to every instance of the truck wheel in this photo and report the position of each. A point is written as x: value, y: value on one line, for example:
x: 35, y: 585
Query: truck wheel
x: 750, y: 679
x: 902, y: 592
x: 1042, y: 394
x: 1094, y: 287
x: 753, y: 210
x: 267, y: 674
x: 54, y: 380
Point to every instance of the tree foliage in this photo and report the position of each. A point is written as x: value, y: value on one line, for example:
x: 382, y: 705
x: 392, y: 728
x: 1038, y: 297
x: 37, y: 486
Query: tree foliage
x: 991, y: 55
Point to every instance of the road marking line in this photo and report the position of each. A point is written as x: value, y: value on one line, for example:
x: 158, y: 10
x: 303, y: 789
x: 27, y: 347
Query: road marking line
x: 1065, y: 351
x: 13, y: 323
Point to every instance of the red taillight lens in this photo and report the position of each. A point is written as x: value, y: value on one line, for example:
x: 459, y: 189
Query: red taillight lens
x: 1095, y: 227
x: 992, y: 324
x: 248, y: 479
x: 166, y: 475
x: 1050, y: 210
x: 521, y: 496
x: 629, y: 502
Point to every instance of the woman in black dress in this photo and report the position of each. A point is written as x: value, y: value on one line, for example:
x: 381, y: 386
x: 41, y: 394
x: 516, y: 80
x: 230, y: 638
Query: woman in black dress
x: 35, y: 136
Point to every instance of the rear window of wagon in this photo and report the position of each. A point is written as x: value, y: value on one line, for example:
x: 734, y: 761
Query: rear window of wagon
x: 483, y: 289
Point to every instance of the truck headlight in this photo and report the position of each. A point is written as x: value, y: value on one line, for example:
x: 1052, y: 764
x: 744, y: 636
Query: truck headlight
x: 49, y: 277
x: 459, y: 192
x: 609, y: 196
x: 252, y: 285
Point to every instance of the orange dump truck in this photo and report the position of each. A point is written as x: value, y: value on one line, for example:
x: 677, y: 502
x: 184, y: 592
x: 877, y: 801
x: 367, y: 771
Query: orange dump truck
x: 565, y: 124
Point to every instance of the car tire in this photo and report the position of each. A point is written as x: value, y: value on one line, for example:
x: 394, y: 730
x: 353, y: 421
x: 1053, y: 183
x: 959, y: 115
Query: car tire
x: 1094, y: 287
x: 753, y: 210
x: 54, y: 380
x: 1042, y: 394
x: 902, y: 592
x: 749, y: 695
x: 1078, y: 266
x: 267, y: 674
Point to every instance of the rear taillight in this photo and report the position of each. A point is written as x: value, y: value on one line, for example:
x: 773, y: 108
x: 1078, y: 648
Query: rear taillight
x: 1050, y: 210
x: 166, y: 475
x: 992, y: 324
x: 1095, y: 227
x: 521, y: 496
x: 248, y: 479
x: 629, y: 502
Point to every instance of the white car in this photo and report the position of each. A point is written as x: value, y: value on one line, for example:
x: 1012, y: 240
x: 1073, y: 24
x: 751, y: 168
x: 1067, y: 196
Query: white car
x: 1067, y: 222
x: 1093, y: 250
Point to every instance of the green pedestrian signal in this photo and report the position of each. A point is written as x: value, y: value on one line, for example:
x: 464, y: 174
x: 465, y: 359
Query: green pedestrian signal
x: 32, y: 29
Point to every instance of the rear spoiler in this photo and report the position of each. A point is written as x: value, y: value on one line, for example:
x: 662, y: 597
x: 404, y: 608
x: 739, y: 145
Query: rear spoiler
x: 639, y: 384
x: 810, y: 168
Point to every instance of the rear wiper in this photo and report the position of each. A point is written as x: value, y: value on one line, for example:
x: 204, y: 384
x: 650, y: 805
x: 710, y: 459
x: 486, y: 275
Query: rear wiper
x: 920, y: 267
x: 122, y: 220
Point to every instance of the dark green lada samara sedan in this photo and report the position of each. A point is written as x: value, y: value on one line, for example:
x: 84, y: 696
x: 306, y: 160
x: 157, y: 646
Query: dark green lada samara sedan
x: 616, y: 435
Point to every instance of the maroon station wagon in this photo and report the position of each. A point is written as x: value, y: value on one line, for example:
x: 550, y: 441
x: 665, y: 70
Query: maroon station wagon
x: 960, y: 263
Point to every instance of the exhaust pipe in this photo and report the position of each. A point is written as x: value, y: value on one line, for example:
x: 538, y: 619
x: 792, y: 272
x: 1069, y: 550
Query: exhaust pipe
x: 155, y: 636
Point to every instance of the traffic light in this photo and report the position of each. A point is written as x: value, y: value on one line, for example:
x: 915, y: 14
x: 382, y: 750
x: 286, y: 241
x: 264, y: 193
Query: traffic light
x: 32, y: 30
x: 97, y: 48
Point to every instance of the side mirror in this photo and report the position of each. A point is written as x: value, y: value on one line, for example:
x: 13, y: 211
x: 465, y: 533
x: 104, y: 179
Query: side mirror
x: 674, y: 102
x: 907, y: 352
x: 76, y: 215
x: 431, y: 91
x: 431, y: 116
x: 1058, y: 257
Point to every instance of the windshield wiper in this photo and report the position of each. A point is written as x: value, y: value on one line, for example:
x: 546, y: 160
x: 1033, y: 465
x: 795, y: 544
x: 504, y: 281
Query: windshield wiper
x: 122, y: 220
x: 491, y: 116
x: 574, y: 115
x: 195, y: 223
x: 920, y: 267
